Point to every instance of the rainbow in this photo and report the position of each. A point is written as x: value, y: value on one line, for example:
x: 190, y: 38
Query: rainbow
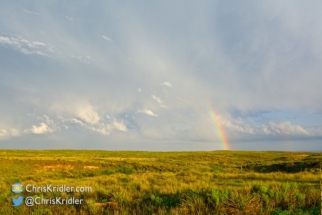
x: 221, y: 132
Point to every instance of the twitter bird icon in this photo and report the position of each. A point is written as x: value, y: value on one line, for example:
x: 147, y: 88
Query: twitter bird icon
x: 17, y: 201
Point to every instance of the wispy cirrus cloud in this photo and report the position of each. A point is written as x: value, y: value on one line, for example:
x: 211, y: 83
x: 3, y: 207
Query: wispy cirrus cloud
x: 22, y: 45
x: 67, y: 17
x: 107, y: 38
x: 30, y: 12
x: 157, y: 99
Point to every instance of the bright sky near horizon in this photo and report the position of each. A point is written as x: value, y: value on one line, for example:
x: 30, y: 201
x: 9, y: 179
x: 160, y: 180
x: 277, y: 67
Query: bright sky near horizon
x: 161, y: 75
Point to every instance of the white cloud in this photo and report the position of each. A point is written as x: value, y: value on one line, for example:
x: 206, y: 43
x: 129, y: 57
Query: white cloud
x: 42, y: 128
x: 27, y: 11
x: 14, y: 132
x: 235, y: 128
x: 48, y: 120
x: 106, y: 129
x: 119, y: 126
x: 24, y: 46
x: 157, y: 99
x: 315, y: 131
x: 75, y: 121
x: 25, y: 51
x: 164, y: 106
x: 7, y: 40
x: 139, y: 90
x: 3, y: 133
x: 87, y: 113
x: 107, y: 38
x: 36, y: 43
x: 287, y: 128
x: 81, y: 58
x: 167, y: 84
x: 147, y: 112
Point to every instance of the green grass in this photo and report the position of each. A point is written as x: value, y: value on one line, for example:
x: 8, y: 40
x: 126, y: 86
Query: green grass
x: 123, y: 182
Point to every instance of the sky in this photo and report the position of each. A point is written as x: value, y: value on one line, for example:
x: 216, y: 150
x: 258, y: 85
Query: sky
x: 161, y: 75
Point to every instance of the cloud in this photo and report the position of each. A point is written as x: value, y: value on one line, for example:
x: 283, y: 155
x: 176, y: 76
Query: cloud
x: 7, y: 133
x: 88, y: 114
x: 81, y: 58
x: 164, y: 106
x: 14, y: 132
x: 147, y: 112
x: 22, y: 45
x: 3, y: 133
x: 157, y: 99
x: 7, y: 40
x: 268, y: 131
x: 103, y: 128
x: 167, y: 84
x: 30, y: 12
x: 35, y: 43
x: 42, y: 128
x: 18, y: 42
x: 107, y: 38
x: 119, y: 126
x: 286, y: 128
x: 75, y: 121
x: 106, y: 129
x: 315, y: 131
x: 237, y: 126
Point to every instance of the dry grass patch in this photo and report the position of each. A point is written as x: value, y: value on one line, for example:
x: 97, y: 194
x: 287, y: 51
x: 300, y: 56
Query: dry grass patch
x: 59, y: 166
x: 90, y: 167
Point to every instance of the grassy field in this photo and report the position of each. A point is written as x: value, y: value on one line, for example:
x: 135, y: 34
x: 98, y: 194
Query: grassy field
x: 218, y: 182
